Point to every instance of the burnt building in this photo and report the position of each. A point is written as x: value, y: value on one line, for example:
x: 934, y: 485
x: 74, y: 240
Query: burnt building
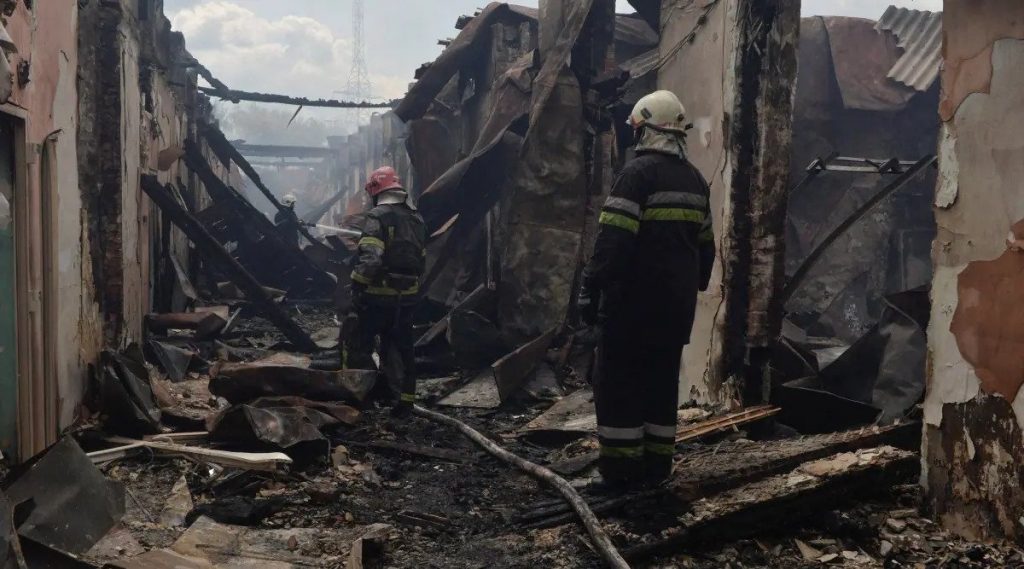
x: 98, y: 94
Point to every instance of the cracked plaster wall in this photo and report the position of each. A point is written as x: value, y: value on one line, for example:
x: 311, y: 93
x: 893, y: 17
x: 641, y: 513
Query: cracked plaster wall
x: 974, y: 408
x: 65, y: 339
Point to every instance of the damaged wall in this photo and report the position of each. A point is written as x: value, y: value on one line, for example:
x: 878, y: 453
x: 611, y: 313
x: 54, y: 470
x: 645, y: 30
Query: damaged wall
x: 58, y: 331
x: 974, y: 408
x: 736, y: 76
x: 138, y: 103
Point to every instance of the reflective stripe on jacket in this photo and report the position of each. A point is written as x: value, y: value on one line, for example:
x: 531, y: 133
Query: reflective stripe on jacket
x: 655, y: 247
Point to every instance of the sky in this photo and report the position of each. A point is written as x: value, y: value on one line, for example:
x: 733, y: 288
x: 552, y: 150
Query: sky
x: 304, y: 47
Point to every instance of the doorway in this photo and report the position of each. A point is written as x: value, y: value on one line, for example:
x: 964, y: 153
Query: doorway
x: 8, y: 289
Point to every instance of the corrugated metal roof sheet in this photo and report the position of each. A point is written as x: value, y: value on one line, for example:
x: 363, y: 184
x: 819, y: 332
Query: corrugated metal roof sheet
x: 919, y: 33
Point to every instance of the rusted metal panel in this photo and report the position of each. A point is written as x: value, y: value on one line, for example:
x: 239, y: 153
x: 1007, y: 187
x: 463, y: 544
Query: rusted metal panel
x: 919, y: 34
x: 862, y: 57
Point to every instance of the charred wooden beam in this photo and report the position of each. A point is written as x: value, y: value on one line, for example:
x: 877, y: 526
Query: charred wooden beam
x: 206, y: 74
x: 205, y: 324
x: 285, y: 151
x: 511, y: 371
x: 227, y: 152
x: 470, y: 302
x: 212, y: 249
x: 316, y: 214
x: 223, y: 193
x: 783, y: 498
x: 236, y: 96
x: 724, y: 424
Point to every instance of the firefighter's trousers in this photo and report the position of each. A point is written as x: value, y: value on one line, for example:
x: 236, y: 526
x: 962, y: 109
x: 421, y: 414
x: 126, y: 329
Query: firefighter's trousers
x: 385, y: 328
x: 636, y: 392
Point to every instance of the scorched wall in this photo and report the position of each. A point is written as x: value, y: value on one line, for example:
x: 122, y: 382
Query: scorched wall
x: 733, y: 65
x: 974, y: 410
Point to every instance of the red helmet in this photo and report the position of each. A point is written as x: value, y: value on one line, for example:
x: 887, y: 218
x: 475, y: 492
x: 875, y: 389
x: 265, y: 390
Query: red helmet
x: 382, y: 180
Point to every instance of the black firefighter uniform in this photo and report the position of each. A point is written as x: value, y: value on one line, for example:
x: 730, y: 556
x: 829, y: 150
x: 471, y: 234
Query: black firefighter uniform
x: 655, y: 250
x: 385, y: 290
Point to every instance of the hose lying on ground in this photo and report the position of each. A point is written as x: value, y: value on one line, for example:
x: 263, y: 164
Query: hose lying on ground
x: 601, y: 541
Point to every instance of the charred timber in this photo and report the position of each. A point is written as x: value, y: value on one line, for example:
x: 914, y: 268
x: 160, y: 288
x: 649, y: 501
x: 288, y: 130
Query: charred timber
x: 226, y: 151
x: 212, y: 249
x: 223, y: 193
x: 236, y: 96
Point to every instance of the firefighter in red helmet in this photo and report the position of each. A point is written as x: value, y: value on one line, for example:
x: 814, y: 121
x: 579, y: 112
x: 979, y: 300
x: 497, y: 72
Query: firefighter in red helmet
x: 385, y: 287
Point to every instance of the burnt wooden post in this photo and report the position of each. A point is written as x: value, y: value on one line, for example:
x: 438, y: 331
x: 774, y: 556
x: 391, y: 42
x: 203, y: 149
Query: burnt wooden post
x: 212, y: 249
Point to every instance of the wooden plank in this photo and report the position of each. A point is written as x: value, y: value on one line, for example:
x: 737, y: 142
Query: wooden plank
x: 179, y: 438
x: 107, y: 455
x: 724, y: 466
x: 511, y: 371
x: 210, y: 247
x: 470, y: 302
x: 725, y: 423
x: 782, y: 498
x: 262, y: 461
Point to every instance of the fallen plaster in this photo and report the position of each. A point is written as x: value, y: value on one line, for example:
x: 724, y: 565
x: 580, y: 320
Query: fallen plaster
x: 952, y: 379
x: 1018, y: 407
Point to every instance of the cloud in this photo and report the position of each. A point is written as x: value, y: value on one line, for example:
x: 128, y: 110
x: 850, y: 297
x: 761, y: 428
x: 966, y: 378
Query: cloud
x: 292, y: 54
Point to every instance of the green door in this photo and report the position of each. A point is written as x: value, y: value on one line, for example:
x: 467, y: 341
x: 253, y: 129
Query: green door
x: 8, y: 349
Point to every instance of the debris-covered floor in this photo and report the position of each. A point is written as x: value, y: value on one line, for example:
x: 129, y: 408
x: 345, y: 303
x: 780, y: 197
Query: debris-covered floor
x: 467, y: 510
x: 320, y: 483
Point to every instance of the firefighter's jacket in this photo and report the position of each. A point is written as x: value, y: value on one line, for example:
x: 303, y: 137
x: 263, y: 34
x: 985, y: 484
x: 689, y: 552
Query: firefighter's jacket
x: 391, y: 257
x: 655, y: 249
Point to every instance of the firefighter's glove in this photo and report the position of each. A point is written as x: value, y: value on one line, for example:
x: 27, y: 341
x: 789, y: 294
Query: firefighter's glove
x: 588, y: 304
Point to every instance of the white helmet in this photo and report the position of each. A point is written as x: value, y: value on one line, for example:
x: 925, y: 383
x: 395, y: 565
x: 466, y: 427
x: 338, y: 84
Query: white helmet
x: 288, y: 200
x: 662, y: 111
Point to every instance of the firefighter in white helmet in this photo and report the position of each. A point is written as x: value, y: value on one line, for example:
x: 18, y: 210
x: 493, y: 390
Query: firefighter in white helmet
x: 654, y: 252
x: 287, y: 221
